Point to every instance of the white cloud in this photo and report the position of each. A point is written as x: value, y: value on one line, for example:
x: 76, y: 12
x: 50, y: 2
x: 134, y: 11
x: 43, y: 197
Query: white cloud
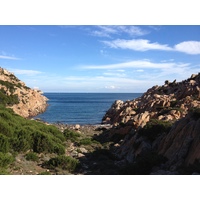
x: 132, y: 30
x: 140, y: 70
x: 189, y: 47
x: 120, y: 70
x: 109, y: 31
x: 137, y: 45
x: 114, y: 74
x: 25, y: 72
x: 138, y: 64
x: 9, y: 57
x: 112, y: 87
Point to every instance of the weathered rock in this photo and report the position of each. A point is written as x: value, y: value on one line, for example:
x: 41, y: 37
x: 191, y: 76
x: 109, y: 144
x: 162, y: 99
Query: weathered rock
x: 83, y: 150
x: 31, y: 102
x: 77, y: 127
x: 181, y: 145
x: 170, y: 102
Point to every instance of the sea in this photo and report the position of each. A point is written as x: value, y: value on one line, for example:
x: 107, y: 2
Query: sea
x: 80, y: 108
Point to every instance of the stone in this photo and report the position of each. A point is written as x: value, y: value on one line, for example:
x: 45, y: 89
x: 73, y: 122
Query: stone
x: 83, y: 150
x: 193, y: 76
x: 80, y: 155
x: 77, y: 127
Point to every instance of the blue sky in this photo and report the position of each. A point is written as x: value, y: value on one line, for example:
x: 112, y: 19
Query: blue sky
x: 99, y: 58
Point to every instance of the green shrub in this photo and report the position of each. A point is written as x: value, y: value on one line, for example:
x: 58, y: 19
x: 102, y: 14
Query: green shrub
x: 43, y: 142
x: 63, y: 162
x: 52, y: 130
x: 4, y: 144
x: 19, y: 135
x: 88, y: 141
x: 71, y: 135
x: 5, y: 128
x: 22, y: 141
x: 4, y: 171
x: 5, y: 160
x: 32, y: 156
x: 8, y: 100
x: 44, y: 173
x: 155, y: 128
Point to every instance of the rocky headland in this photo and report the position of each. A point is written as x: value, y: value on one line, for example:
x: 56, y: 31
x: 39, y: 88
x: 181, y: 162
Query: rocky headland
x: 160, y: 129
x: 23, y: 100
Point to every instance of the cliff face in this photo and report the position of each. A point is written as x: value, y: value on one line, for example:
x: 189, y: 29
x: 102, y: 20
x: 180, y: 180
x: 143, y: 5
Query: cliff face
x: 165, y: 120
x: 23, y: 100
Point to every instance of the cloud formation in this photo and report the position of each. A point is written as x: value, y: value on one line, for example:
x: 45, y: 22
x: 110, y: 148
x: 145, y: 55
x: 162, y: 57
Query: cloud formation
x: 25, y: 72
x: 9, y: 57
x: 142, y: 64
x: 137, y: 45
x: 188, y: 47
x: 109, y: 31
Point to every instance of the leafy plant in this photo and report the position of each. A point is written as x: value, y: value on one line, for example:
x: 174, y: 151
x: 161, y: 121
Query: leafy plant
x: 32, y: 156
x: 4, y: 144
x: 71, y: 135
x: 44, y: 173
x: 87, y: 141
x: 155, y: 128
x: 63, y: 162
x: 5, y: 160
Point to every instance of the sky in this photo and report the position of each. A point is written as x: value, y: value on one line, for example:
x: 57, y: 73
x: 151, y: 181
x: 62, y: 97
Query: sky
x: 99, y: 58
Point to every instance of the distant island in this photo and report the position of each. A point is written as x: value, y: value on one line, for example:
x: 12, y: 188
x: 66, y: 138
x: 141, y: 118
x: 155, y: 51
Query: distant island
x: 157, y: 133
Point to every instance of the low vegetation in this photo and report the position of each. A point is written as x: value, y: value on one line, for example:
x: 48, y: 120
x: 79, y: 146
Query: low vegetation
x: 18, y: 135
x: 31, y: 156
x: 63, y: 162
x: 155, y: 128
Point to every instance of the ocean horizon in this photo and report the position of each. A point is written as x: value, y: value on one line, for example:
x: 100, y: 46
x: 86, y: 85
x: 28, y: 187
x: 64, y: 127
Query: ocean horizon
x: 80, y: 108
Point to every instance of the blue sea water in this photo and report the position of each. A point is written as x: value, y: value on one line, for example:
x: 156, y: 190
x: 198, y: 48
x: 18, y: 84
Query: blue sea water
x: 81, y: 108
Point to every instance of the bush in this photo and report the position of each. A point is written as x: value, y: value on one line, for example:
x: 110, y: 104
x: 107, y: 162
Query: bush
x: 4, y: 171
x: 44, y: 173
x: 5, y: 128
x: 5, y: 160
x: 19, y: 135
x: 63, y: 162
x: 87, y: 141
x: 32, y: 156
x: 4, y: 144
x: 155, y: 128
x: 43, y: 142
x: 8, y: 100
x: 22, y: 141
x: 71, y: 135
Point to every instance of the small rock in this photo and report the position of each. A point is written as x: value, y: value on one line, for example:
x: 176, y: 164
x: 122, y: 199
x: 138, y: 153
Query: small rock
x: 80, y: 155
x: 83, y: 150
x: 77, y: 127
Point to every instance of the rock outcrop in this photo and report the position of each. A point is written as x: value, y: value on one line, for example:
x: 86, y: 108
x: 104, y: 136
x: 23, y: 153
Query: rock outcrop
x: 26, y: 102
x: 169, y: 102
x: 164, y: 121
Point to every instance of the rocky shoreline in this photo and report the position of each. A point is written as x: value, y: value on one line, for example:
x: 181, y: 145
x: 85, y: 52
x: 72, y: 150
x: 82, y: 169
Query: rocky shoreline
x: 162, y: 125
x: 157, y: 133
